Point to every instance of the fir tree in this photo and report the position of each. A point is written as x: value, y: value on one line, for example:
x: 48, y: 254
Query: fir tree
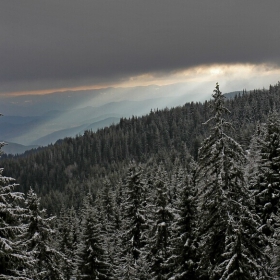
x: 159, y: 241
x: 134, y: 222
x: 252, y: 168
x: 264, y: 179
x: 39, y: 242
x: 105, y: 204
x: 67, y: 237
x: 230, y: 241
x: 182, y: 262
x: 91, y: 263
x: 267, y: 186
x: 118, y: 263
x: 14, y: 260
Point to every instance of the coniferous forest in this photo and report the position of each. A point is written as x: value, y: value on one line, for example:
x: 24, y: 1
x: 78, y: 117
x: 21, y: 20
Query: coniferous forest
x: 190, y: 192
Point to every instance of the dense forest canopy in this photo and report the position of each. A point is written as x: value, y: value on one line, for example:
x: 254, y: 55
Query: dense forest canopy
x: 190, y: 192
x: 64, y: 172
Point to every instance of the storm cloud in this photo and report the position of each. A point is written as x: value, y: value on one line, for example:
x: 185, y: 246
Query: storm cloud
x: 65, y: 43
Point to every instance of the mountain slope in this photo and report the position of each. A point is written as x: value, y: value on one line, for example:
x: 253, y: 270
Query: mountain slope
x: 72, y: 132
x: 13, y: 148
x: 62, y: 172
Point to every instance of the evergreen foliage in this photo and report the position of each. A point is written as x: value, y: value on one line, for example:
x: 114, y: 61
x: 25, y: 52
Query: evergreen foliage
x: 91, y: 264
x: 252, y: 169
x: 230, y: 241
x: 61, y: 174
x: 39, y: 242
x: 134, y: 220
x: 13, y: 259
x: 67, y: 240
x: 168, y: 218
x: 105, y: 207
x: 267, y: 186
x: 182, y: 262
x: 133, y: 215
x: 159, y: 241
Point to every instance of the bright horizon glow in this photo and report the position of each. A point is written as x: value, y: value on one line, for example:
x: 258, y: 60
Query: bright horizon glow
x: 194, y: 84
x: 246, y: 74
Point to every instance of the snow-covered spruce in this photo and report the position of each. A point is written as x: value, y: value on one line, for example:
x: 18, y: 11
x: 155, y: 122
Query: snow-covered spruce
x: 266, y: 183
x: 182, y: 262
x: 133, y: 224
x: 231, y: 242
x: 159, y: 242
x: 91, y: 260
x: 39, y: 242
x: 14, y: 260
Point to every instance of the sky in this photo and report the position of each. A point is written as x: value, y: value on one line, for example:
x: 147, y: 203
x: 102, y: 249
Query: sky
x: 53, y: 46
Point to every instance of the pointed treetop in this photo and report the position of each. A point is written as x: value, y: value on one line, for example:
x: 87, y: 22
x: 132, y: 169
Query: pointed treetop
x: 218, y: 110
x: 219, y: 101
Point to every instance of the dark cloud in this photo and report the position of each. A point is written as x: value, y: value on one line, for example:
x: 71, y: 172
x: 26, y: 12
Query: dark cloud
x: 70, y: 43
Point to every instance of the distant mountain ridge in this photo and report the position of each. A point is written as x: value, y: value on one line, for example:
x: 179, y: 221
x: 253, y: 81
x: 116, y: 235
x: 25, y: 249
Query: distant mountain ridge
x: 14, y: 148
x: 72, y: 132
x: 232, y: 94
x: 56, y: 124
x: 36, y: 105
x: 68, y: 121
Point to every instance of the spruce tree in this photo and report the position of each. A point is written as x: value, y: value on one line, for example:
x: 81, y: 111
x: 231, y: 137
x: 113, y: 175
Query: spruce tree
x: 39, y: 241
x: 231, y: 244
x: 134, y: 222
x: 264, y: 178
x: 267, y: 186
x: 106, y: 206
x: 91, y: 263
x: 253, y: 156
x: 14, y: 260
x: 182, y: 262
x: 159, y: 241
x: 117, y: 249
x: 67, y: 236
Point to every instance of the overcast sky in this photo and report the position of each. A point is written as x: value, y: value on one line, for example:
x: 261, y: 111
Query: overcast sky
x: 50, y: 45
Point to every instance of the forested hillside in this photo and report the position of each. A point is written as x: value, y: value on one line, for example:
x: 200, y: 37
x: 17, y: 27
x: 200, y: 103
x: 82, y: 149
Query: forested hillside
x: 63, y: 173
x: 199, y: 206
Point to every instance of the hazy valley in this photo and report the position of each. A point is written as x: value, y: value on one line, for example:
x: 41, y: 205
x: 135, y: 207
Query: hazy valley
x: 32, y: 121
